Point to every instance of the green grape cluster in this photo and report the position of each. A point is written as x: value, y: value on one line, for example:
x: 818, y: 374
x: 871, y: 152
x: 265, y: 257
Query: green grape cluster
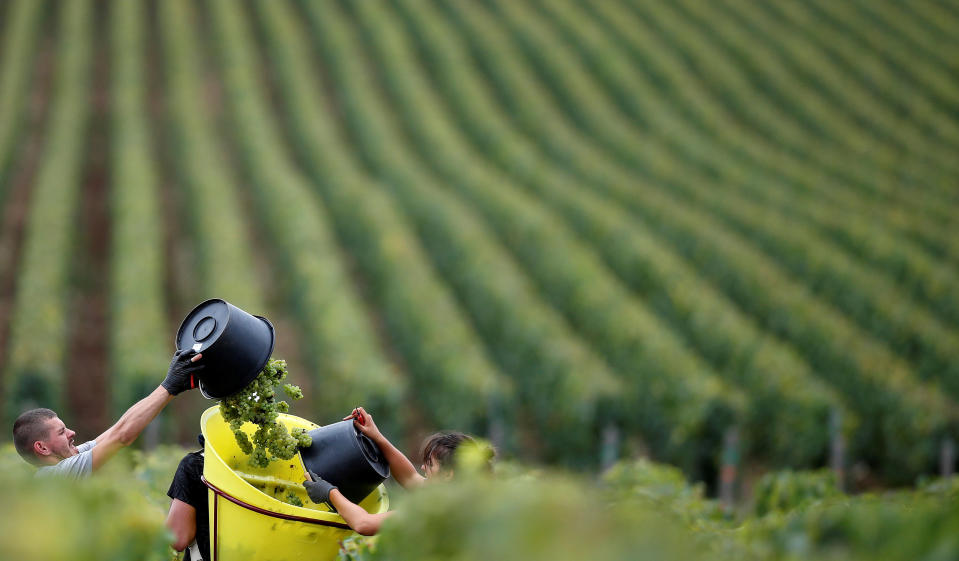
x: 257, y: 403
x: 293, y: 499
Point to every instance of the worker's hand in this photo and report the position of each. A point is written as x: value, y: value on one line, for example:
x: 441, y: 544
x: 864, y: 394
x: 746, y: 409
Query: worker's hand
x: 182, y: 374
x: 363, y: 421
x: 318, y: 489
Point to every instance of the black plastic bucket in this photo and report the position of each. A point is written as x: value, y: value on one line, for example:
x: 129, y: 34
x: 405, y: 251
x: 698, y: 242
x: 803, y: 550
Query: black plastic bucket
x: 346, y: 458
x: 235, y: 346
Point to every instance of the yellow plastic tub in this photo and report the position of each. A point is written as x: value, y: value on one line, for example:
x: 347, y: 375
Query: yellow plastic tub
x: 248, y: 519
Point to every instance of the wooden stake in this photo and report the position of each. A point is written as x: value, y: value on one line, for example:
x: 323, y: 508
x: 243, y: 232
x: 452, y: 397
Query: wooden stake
x: 496, y: 427
x: 947, y: 457
x: 728, y: 472
x: 837, y: 449
x: 609, y: 450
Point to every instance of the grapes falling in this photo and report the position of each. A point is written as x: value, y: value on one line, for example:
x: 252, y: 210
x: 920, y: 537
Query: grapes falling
x: 257, y: 404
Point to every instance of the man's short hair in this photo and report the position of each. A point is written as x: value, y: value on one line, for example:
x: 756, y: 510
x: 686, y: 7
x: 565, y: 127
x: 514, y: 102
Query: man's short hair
x: 30, y: 427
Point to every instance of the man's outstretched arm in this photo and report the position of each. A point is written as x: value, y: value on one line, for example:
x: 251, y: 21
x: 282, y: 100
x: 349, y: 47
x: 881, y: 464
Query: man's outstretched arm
x: 180, y: 377
x: 131, y: 424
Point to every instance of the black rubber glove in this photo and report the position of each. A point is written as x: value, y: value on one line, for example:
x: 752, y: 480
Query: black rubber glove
x: 318, y: 489
x: 182, y: 373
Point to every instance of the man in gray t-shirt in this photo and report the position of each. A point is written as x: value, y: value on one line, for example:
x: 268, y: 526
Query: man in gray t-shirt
x: 42, y: 439
x: 80, y: 465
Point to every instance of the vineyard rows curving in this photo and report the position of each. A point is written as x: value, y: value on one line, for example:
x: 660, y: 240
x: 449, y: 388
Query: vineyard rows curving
x: 543, y: 221
x: 19, y: 39
x: 35, y: 372
x: 523, y: 334
x: 643, y: 263
x: 138, y: 335
x: 314, y: 276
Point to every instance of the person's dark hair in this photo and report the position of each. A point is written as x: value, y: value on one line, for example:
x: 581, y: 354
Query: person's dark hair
x: 441, y: 447
x: 30, y: 427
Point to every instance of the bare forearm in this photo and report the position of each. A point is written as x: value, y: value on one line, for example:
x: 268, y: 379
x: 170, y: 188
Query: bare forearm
x: 402, y: 469
x: 361, y: 521
x: 129, y: 427
x: 137, y: 417
x: 400, y: 466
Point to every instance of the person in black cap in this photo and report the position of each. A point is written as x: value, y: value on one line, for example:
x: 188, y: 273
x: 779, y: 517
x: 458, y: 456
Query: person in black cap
x: 438, y: 455
x: 43, y: 440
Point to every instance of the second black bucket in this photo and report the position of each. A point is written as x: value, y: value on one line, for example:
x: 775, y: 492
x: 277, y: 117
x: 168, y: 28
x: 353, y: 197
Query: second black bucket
x: 346, y: 458
x: 235, y: 346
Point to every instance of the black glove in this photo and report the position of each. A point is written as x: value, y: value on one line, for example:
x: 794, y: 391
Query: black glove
x: 318, y: 489
x: 182, y: 373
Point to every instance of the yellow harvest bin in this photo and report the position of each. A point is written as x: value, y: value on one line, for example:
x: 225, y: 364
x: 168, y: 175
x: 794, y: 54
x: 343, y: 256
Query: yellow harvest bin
x: 248, y: 519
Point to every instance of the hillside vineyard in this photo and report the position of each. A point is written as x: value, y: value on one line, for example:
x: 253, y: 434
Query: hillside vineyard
x: 585, y: 230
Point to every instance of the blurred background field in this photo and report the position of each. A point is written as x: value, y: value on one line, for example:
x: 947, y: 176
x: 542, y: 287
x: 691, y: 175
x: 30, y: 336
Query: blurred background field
x: 708, y: 233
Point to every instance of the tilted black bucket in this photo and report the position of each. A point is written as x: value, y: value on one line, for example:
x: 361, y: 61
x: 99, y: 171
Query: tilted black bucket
x: 346, y: 458
x: 235, y: 346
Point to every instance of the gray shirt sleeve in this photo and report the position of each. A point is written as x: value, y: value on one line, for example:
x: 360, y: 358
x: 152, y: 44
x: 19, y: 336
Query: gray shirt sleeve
x: 78, y: 466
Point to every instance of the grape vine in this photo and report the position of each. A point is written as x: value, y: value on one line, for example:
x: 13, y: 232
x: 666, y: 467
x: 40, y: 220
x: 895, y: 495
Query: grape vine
x: 257, y: 404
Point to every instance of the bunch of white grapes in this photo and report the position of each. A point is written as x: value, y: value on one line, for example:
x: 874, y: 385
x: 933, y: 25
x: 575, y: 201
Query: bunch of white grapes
x: 257, y: 404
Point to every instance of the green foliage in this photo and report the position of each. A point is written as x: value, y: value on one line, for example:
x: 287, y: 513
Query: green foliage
x: 638, y: 509
x: 900, y: 526
x: 118, y: 514
x: 545, y: 518
x: 663, y: 488
x: 946, y: 486
x: 153, y: 469
x: 357, y: 548
x: 788, y: 490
